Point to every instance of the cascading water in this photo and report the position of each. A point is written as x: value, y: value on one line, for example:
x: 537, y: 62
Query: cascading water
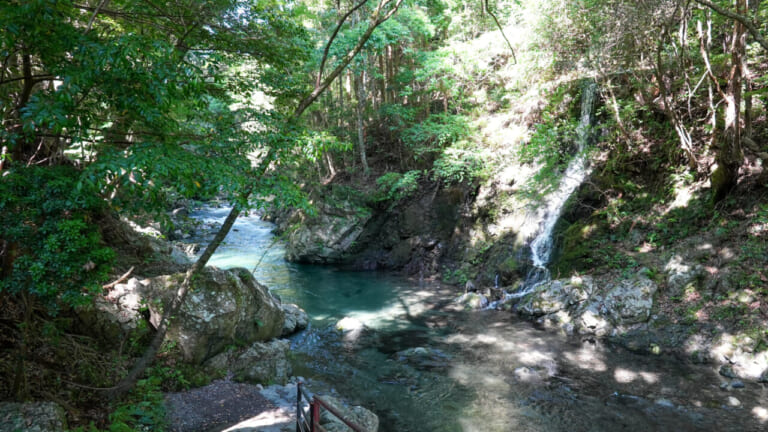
x: 577, y: 171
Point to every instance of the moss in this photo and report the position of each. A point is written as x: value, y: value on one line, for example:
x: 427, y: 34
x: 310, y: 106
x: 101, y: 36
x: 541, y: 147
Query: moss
x: 577, y: 248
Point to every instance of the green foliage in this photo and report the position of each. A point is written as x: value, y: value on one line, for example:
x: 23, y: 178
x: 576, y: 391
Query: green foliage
x: 143, y: 409
x: 458, y: 165
x: 47, y: 215
x: 435, y: 133
x: 395, y: 187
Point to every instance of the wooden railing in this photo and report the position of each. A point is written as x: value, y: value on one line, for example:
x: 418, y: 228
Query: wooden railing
x: 309, y: 421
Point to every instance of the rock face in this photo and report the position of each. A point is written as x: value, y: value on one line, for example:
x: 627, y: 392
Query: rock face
x: 327, y: 238
x: 32, y: 417
x: 357, y: 414
x: 412, y: 234
x: 223, y: 307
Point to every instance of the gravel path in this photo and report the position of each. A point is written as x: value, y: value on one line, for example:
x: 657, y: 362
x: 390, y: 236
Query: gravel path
x: 226, y: 405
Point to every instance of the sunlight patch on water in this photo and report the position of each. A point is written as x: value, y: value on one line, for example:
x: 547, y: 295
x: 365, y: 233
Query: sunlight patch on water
x: 761, y: 414
x: 625, y: 376
x: 586, y: 358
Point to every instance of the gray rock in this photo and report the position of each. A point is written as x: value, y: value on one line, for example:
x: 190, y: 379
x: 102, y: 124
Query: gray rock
x: 727, y: 371
x: 327, y: 237
x: 262, y: 363
x: 115, y: 316
x: 224, y: 307
x: 32, y: 417
x: 737, y: 384
x: 681, y: 275
x: 556, y: 295
x: 763, y: 377
x: 472, y: 301
x: 590, y: 321
x: 296, y: 319
x: 357, y: 414
x: 631, y: 300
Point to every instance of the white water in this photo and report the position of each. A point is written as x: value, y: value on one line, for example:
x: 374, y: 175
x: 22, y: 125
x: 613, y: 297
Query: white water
x: 577, y: 170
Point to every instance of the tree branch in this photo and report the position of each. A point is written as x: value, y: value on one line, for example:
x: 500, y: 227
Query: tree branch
x: 744, y: 20
x: 333, y: 36
x: 130, y: 380
x: 95, y: 13
x: 496, y: 20
x: 374, y: 22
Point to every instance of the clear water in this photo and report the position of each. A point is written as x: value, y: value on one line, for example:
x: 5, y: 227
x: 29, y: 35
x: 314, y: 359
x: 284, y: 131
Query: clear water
x: 483, y: 371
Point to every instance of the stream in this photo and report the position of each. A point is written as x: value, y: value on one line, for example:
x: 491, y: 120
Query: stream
x: 423, y: 364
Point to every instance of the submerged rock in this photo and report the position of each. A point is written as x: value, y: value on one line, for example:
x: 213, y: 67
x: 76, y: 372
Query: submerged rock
x: 423, y: 358
x: 32, y: 417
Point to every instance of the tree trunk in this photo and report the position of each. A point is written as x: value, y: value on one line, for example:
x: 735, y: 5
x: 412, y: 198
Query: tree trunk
x: 359, y: 108
x: 729, y: 155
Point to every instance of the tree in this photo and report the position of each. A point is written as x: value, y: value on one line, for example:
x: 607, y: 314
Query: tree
x: 384, y: 10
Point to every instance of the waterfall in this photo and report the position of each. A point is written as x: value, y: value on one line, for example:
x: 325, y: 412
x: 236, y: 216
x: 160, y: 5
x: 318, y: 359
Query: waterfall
x: 575, y: 173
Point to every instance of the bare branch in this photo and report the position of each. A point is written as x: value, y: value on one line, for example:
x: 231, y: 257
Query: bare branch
x: 744, y: 20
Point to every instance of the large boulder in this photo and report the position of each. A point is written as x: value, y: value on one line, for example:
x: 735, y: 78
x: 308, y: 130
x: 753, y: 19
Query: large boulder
x: 556, y: 295
x: 682, y: 275
x: 623, y: 303
x: 32, y: 417
x: 327, y: 237
x: 357, y: 414
x: 223, y: 308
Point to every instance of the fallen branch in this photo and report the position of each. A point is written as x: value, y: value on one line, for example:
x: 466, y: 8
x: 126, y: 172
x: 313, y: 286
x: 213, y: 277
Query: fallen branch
x: 119, y: 280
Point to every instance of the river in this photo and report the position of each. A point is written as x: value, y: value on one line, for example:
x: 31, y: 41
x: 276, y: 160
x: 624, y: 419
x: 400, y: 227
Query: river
x: 424, y: 364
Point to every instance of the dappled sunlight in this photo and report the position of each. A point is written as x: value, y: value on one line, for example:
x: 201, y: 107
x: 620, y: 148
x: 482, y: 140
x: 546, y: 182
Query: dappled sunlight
x: 761, y: 414
x: 276, y: 418
x: 625, y: 376
x: 586, y: 358
x: 472, y: 376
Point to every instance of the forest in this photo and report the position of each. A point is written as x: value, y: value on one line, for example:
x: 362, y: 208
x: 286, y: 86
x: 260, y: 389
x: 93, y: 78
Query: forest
x: 116, y: 113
